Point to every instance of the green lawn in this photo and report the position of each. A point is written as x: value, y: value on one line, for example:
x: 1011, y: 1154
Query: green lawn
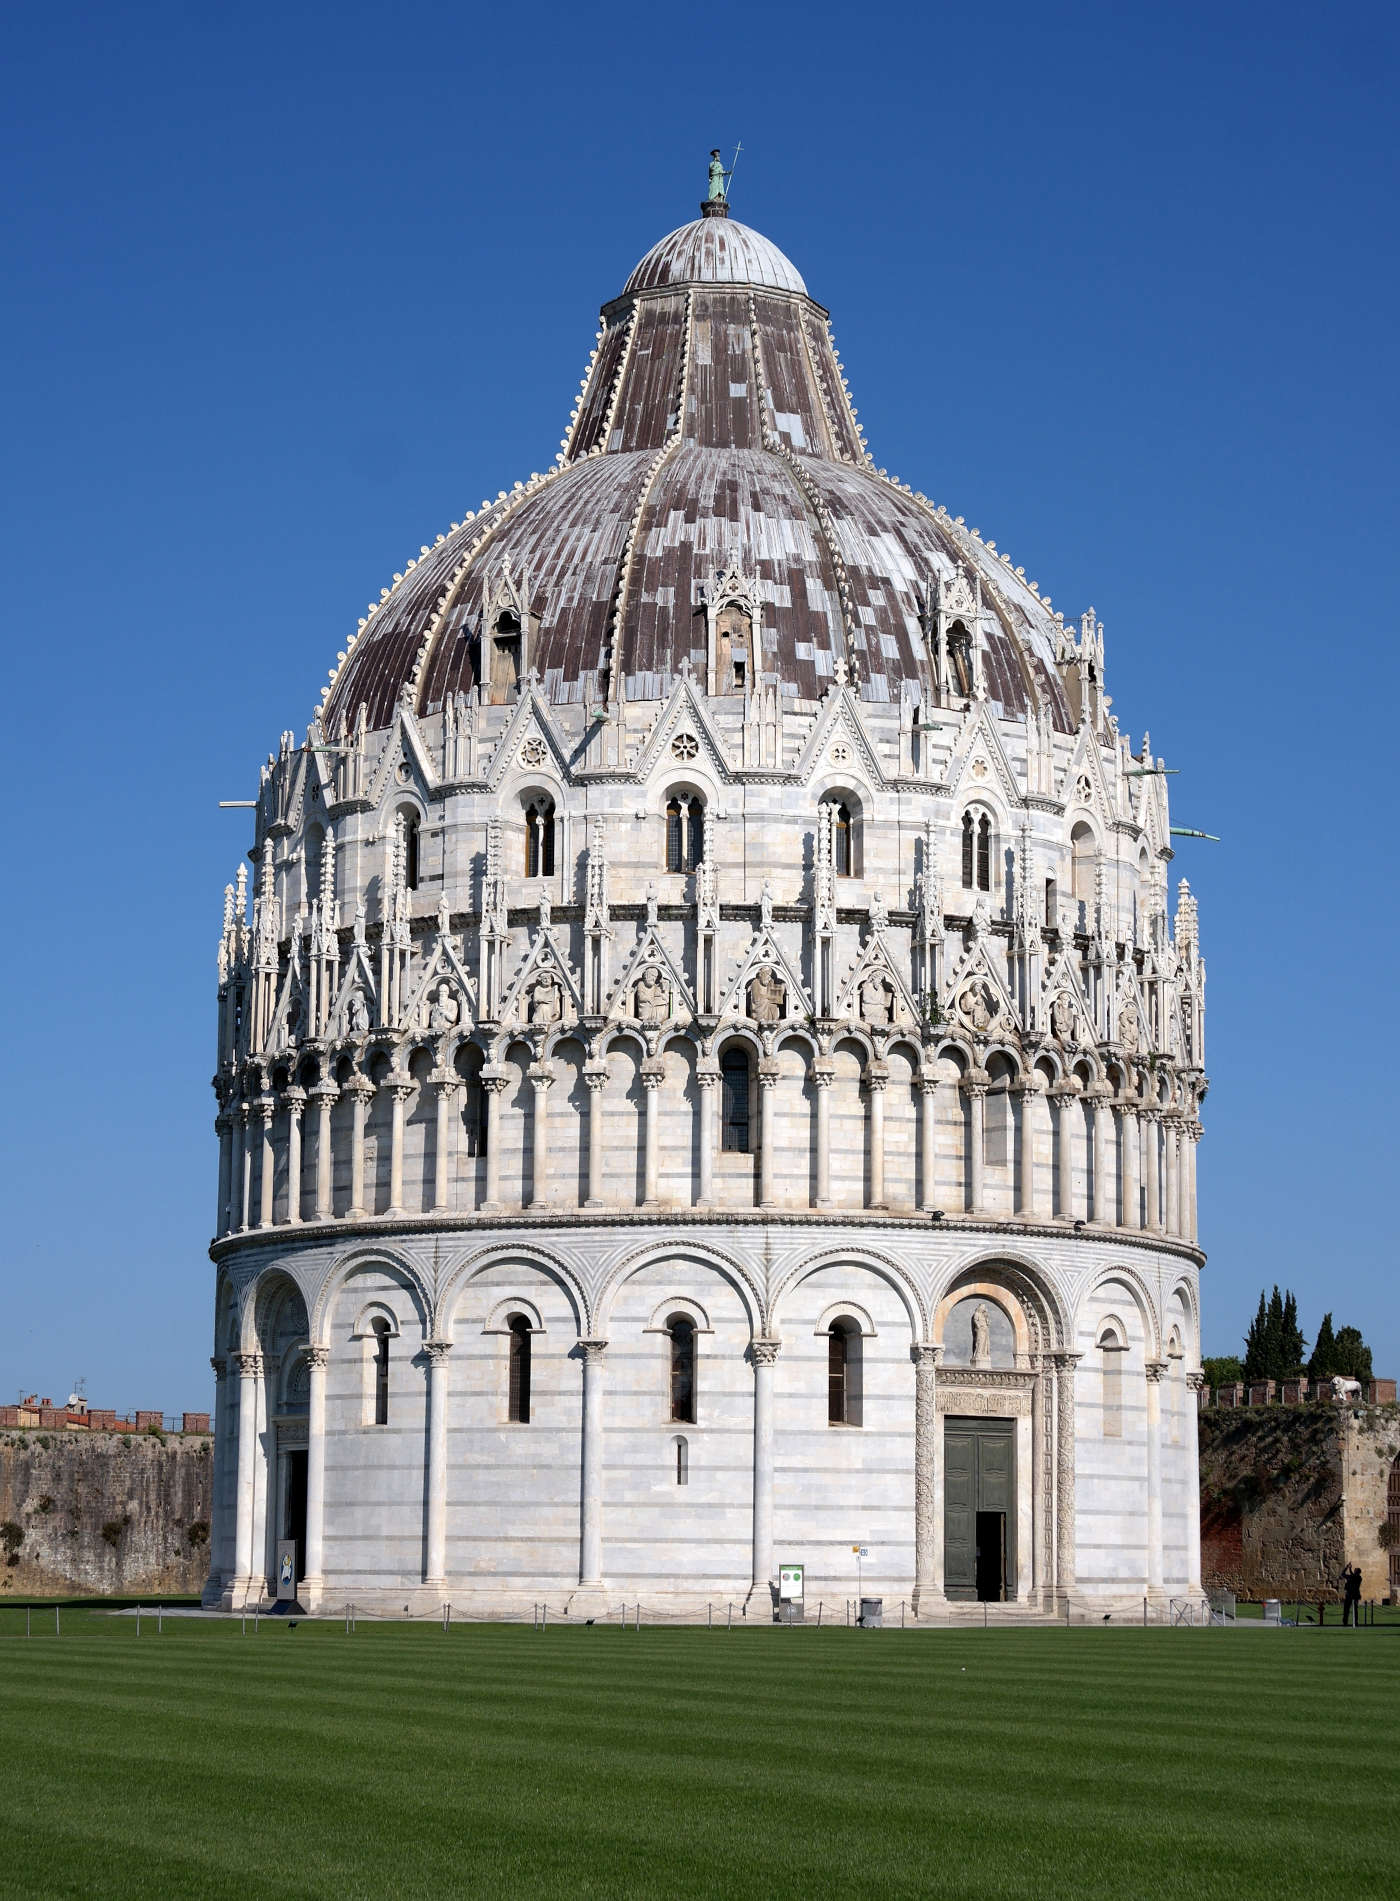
x: 500, y: 1761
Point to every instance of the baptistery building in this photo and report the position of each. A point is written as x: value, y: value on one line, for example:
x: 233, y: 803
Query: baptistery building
x: 709, y: 1068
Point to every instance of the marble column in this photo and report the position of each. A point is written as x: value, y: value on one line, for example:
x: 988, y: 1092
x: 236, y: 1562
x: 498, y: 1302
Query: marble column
x: 876, y: 1077
x: 1064, y: 1364
x: 312, y: 1559
x: 1067, y: 1105
x: 220, y: 1556
x: 974, y: 1086
x: 1171, y: 1213
x: 361, y: 1092
x: 250, y: 1372
x: 295, y: 1100
x: 267, y: 1171
x: 323, y: 1095
x: 1104, y: 1209
x: 823, y: 1075
x: 541, y: 1076
x: 653, y: 1075
x: 1193, y: 1136
x: 435, y: 1567
x: 446, y: 1083
x: 1154, y: 1369
x: 767, y: 1096
x: 764, y: 1353
x: 1026, y: 1097
x: 223, y: 1125
x: 590, y: 1569
x: 595, y: 1075
x: 707, y: 1081
x: 245, y: 1167
x: 495, y: 1079
x: 928, y: 1136
x: 927, y: 1570
x: 400, y: 1089
x: 1151, y: 1118
x: 1192, y: 1456
x: 1128, y: 1155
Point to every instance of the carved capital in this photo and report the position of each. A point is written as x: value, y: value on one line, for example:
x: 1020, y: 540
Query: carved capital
x: 1156, y: 1371
x: 220, y: 1369
x: 250, y: 1365
x: 926, y: 1356
x: 1064, y: 1363
x: 541, y: 1074
x: 765, y: 1352
x: 707, y: 1075
x: 294, y: 1099
x: 266, y: 1107
x: 823, y: 1073
x: 318, y: 1358
x: 596, y: 1076
x: 876, y: 1075
x: 653, y: 1072
x: 324, y: 1094
x: 593, y: 1350
x: 400, y: 1087
x: 768, y: 1072
x: 437, y: 1351
x: 1196, y: 1380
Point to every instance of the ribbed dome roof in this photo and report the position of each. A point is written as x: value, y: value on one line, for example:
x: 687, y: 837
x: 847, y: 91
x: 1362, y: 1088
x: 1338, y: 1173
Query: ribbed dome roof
x: 715, y: 251
x: 714, y: 429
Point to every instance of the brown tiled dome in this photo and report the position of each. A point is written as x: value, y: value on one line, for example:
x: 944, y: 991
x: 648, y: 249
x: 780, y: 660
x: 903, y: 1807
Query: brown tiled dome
x: 715, y: 428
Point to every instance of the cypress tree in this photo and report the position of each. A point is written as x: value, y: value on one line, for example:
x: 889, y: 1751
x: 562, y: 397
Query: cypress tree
x: 1294, y: 1345
x: 1273, y: 1337
x: 1352, y: 1356
x: 1254, y: 1343
x: 1322, y: 1365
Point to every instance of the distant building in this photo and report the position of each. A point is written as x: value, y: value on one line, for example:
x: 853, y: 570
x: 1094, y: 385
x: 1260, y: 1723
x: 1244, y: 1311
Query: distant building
x: 708, y: 1076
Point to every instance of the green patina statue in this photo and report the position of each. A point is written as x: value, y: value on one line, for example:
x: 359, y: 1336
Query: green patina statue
x: 717, y: 178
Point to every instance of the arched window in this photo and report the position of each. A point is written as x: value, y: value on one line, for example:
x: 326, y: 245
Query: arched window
x: 843, y: 1395
x: 518, y: 1405
x: 1052, y: 903
x: 1083, y: 853
x: 539, y: 838
x: 976, y: 851
x: 843, y: 838
x: 685, y: 831
x: 380, y: 1330
x: 682, y: 1462
x: 505, y: 658
x: 734, y: 1101
x: 960, y: 658
x: 409, y: 820
x: 734, y: 667
x: 1111, y: 1350
x: 681, y: 1329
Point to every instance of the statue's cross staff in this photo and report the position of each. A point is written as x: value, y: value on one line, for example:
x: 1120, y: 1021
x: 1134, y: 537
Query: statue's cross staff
x: 729, y: 175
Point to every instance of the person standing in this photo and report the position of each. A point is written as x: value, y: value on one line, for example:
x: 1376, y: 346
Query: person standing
x: 1351, y: 1596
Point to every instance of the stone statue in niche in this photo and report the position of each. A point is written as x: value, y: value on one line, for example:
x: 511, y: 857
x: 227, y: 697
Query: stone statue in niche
x: 977, y: 1005
x: 877, y: 998
x: 1064, y: 1018
x: 981, y: 1335
x: 651, y: 997
x: 767, y: 996
x: 1129, y: 1030
x: 356, y: 1014
x: 444, y: 1010
x: 546, y: 998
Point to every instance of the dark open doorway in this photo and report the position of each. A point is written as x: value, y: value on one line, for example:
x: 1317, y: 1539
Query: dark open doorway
x: 979, y: 1508
x: 294, y: 1514
x: 991, y: 1557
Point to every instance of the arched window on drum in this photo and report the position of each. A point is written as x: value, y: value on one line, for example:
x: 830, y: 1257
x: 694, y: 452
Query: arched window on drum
x: 680, y: 1330
x: 539, y: 838
x: 518, y: 1386
x: 734, y: 1138
x: 977, y: 849
x: 685, y: 831
x: 1112, y: 1348
x: 843, y: 1370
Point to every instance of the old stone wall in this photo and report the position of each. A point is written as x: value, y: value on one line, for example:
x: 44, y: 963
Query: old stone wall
x: 1290, y: 1495
x: 103, y: 1512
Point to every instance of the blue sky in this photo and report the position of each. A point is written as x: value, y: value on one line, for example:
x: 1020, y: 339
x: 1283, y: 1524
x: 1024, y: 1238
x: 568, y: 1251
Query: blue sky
x: 289, y: 289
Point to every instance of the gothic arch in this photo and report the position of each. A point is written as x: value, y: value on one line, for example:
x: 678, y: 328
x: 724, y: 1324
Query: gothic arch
x: 1124, y: 1276
x: 1025, y: 1280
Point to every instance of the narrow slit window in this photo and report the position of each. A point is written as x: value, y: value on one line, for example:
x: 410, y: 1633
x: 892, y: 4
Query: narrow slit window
x: 968, y: 851
x: 539, y: 839
x: 841, y: 840
x: 682, y: 1462
x: 682, y: 1332
x: 381, y: 1372
x: 410, y: 850
x: 519, y: 1400
x: 734, y: 1107
x: 984, y: 853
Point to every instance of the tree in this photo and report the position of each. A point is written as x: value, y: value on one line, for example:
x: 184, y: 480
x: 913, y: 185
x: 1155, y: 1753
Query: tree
x: 1353, y: 1355
x: 1320, y: 1366
x: 1274, y: 1345
x: 1223, y: 1369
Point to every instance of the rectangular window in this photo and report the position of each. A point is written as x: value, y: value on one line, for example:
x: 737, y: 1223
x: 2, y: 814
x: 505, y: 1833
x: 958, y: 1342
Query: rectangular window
x: 734, y: 1107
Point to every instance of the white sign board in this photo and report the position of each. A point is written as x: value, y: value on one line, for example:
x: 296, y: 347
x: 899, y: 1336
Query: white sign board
x: 790, y: 1583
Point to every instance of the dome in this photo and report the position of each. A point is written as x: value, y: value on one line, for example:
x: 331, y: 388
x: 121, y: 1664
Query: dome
x: 715, y: 430
x: 715, y: 251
